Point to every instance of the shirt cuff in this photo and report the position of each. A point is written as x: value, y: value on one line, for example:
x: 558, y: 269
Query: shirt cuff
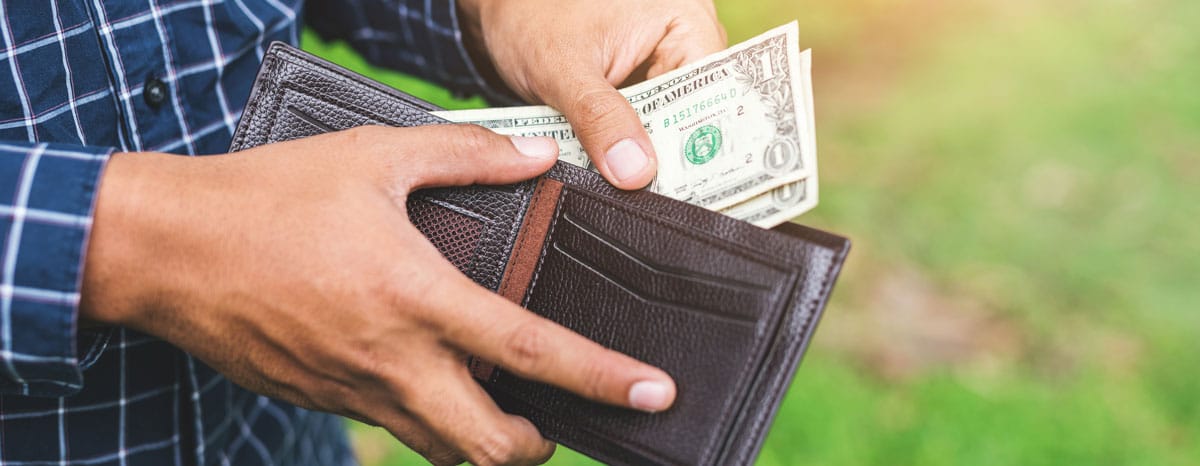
x: 47, y: 198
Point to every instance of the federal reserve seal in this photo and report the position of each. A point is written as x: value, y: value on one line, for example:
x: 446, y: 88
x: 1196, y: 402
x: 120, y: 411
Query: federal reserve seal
x: 702, y: 145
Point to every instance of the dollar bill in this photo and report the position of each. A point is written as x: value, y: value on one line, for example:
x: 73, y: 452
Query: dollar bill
x: 790, y: 200
x: 733, y: 132
x: 777, y: 205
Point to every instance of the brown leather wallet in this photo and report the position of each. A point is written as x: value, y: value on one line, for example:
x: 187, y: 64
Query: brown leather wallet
x: 723, y: 306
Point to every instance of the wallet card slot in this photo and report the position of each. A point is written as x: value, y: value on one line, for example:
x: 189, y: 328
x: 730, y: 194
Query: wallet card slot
x: 309, y: 119
x: 423, y: 196
x: 659, y: 269
x: 669, y: 245
x: 707, y: 356
x: 632, y: 291
x: 301, y: 114
x: 646, y: 246
x: 605, y: 241
x: 704, y: 332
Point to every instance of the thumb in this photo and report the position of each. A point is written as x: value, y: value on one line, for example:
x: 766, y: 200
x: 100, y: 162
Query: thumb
x: 459, y: 155
x: 609, y: 128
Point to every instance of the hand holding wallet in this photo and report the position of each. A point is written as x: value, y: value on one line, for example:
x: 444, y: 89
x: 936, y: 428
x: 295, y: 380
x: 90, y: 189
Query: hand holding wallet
x: 723, y: 306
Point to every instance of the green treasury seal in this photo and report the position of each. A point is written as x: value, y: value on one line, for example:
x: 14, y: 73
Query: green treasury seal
x: 702, y: 145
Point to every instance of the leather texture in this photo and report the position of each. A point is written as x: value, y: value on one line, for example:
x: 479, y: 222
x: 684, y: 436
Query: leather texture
x: 725, y: 307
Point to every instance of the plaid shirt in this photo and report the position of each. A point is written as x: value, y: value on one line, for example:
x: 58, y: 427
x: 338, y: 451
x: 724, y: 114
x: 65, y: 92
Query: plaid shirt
x: 80, y: 79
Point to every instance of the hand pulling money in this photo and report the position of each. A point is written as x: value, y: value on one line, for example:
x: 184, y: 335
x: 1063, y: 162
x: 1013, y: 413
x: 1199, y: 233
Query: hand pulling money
x: 734, y: 132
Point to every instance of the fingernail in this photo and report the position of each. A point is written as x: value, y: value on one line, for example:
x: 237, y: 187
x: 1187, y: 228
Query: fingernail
x: 538, y: 148
x: 649, y: 396
x: 626, y: 159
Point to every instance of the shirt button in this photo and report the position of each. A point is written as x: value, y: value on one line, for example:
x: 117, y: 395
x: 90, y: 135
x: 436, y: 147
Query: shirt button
x: 155, y: 92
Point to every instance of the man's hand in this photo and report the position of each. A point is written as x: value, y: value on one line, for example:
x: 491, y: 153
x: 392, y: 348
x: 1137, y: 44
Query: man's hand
x: 292, y: 268
x: 571, y: 54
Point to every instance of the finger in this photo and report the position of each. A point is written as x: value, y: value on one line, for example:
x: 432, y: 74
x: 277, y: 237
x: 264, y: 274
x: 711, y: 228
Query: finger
x: 686, y: 43
x: 459, y: 155
x: 488, y: 326
x: 701, y: 39
x: 461, y: 413
x: 609, y: 128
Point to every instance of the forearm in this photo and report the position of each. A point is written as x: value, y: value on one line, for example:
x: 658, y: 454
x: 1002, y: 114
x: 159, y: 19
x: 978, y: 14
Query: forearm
x: 133, y: 203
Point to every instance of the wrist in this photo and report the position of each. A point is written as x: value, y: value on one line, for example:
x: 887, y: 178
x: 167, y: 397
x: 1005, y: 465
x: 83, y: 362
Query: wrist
x: 116, y: 271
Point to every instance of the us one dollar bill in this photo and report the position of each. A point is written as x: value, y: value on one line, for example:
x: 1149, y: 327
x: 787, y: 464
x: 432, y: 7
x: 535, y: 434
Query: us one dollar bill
x: 734, y: 132
x: 777, y: 205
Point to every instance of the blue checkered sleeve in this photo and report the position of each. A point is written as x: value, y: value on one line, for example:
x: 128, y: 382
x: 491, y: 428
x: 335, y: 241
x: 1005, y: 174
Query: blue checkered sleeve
x: 47, y: 192
x: 419, y: 37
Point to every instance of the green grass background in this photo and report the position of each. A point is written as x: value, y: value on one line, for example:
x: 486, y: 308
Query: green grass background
x: 1021, y: 179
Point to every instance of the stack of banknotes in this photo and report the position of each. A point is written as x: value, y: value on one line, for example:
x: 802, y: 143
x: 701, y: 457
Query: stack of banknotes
x: 733, y: 132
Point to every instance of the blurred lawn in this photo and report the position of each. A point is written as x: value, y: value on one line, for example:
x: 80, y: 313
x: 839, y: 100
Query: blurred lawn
x: 1021, y: 180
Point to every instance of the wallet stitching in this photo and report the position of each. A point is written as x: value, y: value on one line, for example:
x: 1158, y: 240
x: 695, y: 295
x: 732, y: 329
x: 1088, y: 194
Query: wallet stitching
x: 778, y: 389
x: 339, y: 75
x: 273, y: 110
x: 762, y: 377
x: 271, y: 64
x: 372, y: 118
x: 537, y: 271
x: 334, y: 75
x: 353, y: 78
x: 633, y: 447
x: 515, y: 226
x: 535, y: 200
